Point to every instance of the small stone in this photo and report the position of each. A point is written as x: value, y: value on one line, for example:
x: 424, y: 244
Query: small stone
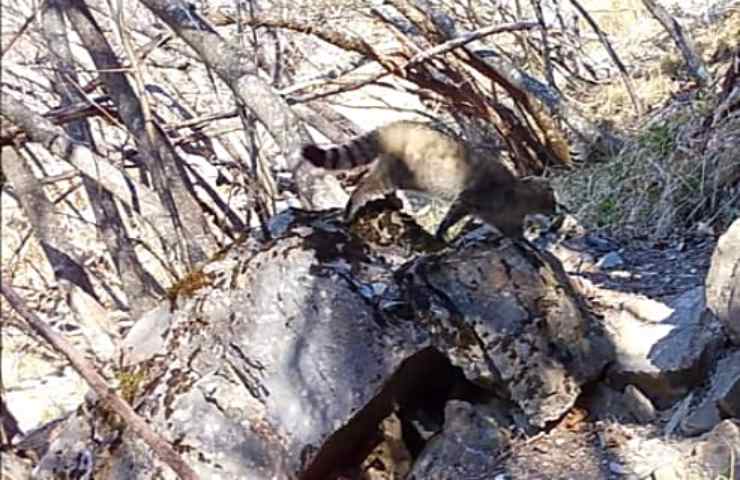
x: 600, y: 244
x: 571, y: 226
x: 617, y: 468
x: 665, y: 472
x: 620, y: 274
x: 610, y: 260
x: 639, y: 404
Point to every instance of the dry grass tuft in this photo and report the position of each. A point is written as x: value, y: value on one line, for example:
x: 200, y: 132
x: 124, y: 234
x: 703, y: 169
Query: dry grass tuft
x: 676, y: 173
x: 679, y: 170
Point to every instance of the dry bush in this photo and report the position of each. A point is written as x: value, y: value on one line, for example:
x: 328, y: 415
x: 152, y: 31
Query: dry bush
x: 676, y: 171
x: 673, y: 175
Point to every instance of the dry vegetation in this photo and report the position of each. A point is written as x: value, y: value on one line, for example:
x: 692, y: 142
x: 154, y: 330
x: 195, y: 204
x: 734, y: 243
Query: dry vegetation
x: 679, y: 168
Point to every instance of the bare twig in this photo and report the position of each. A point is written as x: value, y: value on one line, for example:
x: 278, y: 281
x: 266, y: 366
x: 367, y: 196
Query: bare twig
x: 613, y: 54
x: 22, y: 30
x: 124, y: 35
x: 188, y: 233
x: 693, y: 62
x: 341, y: 89
x: 238, y: 71
x: 39, y: 129
x: 138, y: 425
x: 470, y: 37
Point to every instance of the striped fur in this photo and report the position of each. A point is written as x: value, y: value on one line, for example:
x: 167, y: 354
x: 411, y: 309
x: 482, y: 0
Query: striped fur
x: 359, y: 151
x: 414, y: 156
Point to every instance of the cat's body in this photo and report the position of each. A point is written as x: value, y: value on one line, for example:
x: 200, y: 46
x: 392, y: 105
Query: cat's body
x: 414, y: 156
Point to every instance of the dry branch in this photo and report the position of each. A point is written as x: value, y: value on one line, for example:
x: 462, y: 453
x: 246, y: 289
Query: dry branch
x: 235, y: 67
x: 693, y: 62
x: 459, y: 89
x: 39, y: 129
x: 105, y: 393
x: 47, y: 226
x: 21, y: 30
x: 613, y: 54
x: 189, y: 228
x: 470, y: 37
x: 141, y: 289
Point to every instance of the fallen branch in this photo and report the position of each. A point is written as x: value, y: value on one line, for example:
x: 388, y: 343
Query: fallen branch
x: 138, y: 425
x: 22, y: 30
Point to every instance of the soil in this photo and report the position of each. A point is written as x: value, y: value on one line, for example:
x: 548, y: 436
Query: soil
x: 661, y: 270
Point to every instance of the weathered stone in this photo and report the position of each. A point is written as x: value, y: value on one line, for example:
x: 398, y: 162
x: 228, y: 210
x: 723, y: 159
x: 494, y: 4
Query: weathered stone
x: 147, y: 337
x: 69, y: 455
x: 723, y: 281
x: 664, y: 350
x: 13, y: 467
x: 573, y: 260
x: 288, y: 354
x: 610, y: 260
x: 648, y: 456
x: 535, y: 342
x: 467, y: 447
x: 666, y: 472
x: 639, y: 404
x: 618, y: 468
x: 714, y: 452
x: 721, y: 400
x: 605, y: 403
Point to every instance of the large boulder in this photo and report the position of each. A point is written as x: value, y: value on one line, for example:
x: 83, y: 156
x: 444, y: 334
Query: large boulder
x: 723, y: 281
x: 283, y: 356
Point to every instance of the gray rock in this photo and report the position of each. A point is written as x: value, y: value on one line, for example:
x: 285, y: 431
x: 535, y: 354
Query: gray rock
x: 618, y: 468
x: 13, y: 467
x: 537, y: 345
x: 648, y: 457
x: 610, y: 260
x: 605, y: 403
x: 714, y: 452
x: 723, y: 281
x: 68, y: 455
x: 571, y: 226
x: 599, y: 243
x: 291, y: 352
x: 147, y: 337
x: 721, y: 400
x: 660, y: 457
x: 680, y: 411
x: 573, y: 260
x: 639, y: 404
x: 666, y: 472
x: 467, y: 447
x: 663, y: 349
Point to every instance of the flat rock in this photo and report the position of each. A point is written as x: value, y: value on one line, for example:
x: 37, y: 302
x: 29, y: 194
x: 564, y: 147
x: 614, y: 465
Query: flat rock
x: 639, y: 404
x: 662, y: 349
x: 536, y: 343
x: 610, y: 261
x: 713, y: 454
